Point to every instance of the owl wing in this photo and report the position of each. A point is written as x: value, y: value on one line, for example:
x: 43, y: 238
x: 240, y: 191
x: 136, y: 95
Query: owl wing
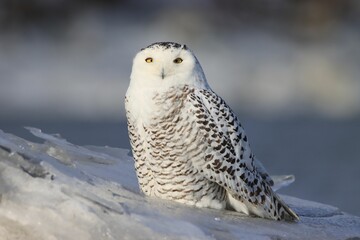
x: 228, y: 159
x: 138, y: 149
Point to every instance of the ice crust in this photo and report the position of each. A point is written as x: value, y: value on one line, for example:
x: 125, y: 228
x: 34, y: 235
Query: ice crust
x: 57, y: 190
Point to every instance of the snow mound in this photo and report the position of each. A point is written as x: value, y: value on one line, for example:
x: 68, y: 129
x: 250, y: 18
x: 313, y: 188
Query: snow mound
x: 57, y: 190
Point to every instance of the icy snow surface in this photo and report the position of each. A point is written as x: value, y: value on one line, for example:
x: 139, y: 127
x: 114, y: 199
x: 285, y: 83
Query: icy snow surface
x: 57, y: 190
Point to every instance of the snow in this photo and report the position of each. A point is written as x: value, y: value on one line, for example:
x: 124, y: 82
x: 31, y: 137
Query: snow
x: 57, y: 190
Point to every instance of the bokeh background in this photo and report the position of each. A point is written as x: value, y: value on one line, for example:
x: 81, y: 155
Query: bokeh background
x: 289, y: 69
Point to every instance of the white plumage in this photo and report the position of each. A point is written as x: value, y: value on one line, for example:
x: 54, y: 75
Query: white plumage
x: 187, y: 143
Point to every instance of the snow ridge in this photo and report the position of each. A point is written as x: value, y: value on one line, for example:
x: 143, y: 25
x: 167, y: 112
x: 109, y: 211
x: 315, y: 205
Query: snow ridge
x: 57, y: 190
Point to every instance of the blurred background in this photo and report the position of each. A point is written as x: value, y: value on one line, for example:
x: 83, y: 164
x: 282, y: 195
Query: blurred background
x: 289, y: 69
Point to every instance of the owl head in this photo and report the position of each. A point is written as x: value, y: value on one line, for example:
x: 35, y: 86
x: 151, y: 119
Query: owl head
x: 166, y: 64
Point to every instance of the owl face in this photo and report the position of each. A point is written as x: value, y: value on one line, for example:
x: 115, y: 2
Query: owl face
x: 165, y: 64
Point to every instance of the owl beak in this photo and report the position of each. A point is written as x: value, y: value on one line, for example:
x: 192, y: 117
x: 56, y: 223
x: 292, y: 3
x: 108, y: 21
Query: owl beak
x: 162, y: 73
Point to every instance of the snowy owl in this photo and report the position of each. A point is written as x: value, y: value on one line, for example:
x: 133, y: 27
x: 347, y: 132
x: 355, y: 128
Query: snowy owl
x: 187, y: 143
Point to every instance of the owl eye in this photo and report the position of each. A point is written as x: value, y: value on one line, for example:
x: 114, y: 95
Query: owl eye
x: 178, y: 60
x: 149, y: 60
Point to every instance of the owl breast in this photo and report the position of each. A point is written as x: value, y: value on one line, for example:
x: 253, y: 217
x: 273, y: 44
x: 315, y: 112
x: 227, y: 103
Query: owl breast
x: 171, y: 144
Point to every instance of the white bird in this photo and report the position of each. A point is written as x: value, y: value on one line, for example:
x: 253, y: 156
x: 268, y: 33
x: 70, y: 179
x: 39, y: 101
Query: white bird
x: 187, y: 143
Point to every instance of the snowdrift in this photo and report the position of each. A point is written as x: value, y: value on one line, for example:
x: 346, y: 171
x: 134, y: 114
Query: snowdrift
x: 57, y: 190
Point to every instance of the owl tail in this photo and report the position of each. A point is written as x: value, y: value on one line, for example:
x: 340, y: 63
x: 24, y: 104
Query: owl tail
x: 289, y: 214
x: 273, y: 208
